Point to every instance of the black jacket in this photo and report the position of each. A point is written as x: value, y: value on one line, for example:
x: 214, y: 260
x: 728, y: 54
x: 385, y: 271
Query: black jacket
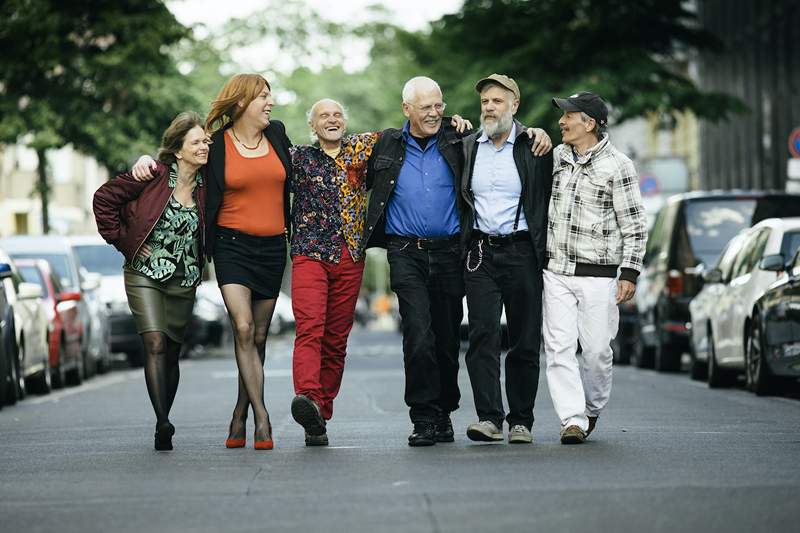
x: 384, y: 167
x: 276, y: 135
x: 536, y: 174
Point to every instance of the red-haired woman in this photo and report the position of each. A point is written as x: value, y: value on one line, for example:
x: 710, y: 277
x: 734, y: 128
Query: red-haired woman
x: 248, y: 172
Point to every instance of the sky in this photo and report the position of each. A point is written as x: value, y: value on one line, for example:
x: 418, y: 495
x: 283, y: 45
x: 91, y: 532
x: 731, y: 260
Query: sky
x: 410, y: 14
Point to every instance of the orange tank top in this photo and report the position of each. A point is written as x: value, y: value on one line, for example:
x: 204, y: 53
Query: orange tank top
x: 253, y: 198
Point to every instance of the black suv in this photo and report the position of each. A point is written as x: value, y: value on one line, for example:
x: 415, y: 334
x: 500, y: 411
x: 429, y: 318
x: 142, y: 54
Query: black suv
x: 687, y: 237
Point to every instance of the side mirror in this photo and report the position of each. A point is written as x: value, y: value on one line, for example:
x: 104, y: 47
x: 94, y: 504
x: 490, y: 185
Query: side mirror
x: 71, y: 296
x: 5, y: 270
x: 712, y: 276
x: 772, y: 263
x: 29, y: 291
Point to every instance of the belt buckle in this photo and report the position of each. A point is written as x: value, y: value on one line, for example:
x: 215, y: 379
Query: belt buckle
x: 489, y: 240
x: 419, y: 244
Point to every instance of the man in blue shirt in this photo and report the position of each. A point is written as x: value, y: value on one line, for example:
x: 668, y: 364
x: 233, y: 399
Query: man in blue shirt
x: 414, y: 212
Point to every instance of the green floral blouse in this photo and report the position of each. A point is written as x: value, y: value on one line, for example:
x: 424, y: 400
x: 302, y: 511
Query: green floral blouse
x: 173, y: 242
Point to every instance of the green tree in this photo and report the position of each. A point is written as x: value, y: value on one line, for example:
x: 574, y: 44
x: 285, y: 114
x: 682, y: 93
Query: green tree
x: 96, y: 74
x: 635, y: 54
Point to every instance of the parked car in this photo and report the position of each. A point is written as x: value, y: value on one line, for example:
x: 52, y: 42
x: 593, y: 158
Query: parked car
x: 689, y: 233
x: 283, y: 317
x: 99, y: 257
x: 463, y: 331
x: 773, y: 348
x: 29, y: 361
x: 64, y: 261
x: 209, y: 317
x: 63, y: 318
x: 721, y: 311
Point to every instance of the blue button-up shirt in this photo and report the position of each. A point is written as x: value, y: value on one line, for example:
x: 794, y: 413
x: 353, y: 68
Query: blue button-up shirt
x: 497, y: 187
x: 424, y: 199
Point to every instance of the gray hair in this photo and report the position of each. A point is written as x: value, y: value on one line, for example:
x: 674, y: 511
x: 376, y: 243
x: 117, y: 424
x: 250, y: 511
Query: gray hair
x: 599, y: 129
x: 313, y: 109
x: 416, y: 85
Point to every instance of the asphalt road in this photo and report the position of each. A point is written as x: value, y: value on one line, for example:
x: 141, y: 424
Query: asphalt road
x: 668, y: 455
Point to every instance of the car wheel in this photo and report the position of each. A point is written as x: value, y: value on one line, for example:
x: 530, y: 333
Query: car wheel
x: 698, y: 370
x: 642, y: 356
x: 19, y: 376
x: 757, y: 375
x: 666, y: 358
x: 42, y: 382
x: 59, y: 373
x: 136, y: 358
x: 717, y: 377
x: 5, y: 375
x: 75, y: 375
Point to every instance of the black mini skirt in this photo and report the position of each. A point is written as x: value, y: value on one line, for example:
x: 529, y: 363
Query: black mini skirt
x: 250, y: 260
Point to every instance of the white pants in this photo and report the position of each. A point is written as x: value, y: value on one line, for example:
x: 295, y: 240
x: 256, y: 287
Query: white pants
x: 579, y: 309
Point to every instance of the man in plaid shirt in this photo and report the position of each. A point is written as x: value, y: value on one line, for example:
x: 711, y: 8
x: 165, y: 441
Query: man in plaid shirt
x: 596, y: 238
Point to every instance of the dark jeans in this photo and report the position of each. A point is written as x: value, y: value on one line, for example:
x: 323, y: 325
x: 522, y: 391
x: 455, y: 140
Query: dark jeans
x: 508, y: 275
x: 430, y: 287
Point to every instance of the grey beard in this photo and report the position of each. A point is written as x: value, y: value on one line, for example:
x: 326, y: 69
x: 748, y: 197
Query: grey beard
x: 498, y: 127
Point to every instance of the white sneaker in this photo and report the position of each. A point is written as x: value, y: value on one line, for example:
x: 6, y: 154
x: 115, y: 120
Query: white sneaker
x: 519, y: 434
x: 484, y: 431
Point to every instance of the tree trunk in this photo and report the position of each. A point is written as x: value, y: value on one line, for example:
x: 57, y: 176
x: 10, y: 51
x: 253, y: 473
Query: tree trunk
x: 43, y: 188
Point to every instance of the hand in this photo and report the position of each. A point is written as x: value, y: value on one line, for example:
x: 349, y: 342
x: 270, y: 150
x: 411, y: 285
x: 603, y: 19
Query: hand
x: 141, y: 171
x: 144, y: 252
x: 541, y: 141
x: 625, y: 290
x: 460, y: 124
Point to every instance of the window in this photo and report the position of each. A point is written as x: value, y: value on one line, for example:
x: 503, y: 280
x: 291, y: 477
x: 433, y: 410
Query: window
x: 750, y: 252
x: 790, y: 244
x: 728, y: 256
x: 710, y: 224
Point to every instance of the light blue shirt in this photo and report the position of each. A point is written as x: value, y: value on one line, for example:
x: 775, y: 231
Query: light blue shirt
x: 423, y: 203
x: 496, y: 186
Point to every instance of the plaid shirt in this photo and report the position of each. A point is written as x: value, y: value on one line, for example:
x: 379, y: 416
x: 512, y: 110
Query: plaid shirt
x: 596, y: 215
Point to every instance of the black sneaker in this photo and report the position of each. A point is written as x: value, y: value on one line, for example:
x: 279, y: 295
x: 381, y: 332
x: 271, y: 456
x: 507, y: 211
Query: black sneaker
x: 424, y: 434
x: 444, y: 428
x: 306, y: 413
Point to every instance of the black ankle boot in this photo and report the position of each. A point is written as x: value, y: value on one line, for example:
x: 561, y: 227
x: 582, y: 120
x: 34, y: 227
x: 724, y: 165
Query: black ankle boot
x: 424, y: 434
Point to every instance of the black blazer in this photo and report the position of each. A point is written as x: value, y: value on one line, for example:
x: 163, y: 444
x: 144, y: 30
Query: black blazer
x: 215, y: 176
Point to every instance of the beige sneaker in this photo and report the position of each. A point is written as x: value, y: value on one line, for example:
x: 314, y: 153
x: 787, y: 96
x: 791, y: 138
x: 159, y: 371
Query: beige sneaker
x: 519, y: 434
x: 484, y: 431
x: 572, y: 435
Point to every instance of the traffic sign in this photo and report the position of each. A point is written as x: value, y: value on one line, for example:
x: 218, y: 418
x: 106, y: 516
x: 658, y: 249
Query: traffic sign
x: 794, y: 143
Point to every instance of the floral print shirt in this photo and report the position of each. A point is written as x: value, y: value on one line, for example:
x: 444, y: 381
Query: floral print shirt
x: 173, y: 242
x: 330, y: 199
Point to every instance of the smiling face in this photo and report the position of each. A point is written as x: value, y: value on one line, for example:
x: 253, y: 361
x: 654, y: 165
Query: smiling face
x: 194, y: 150
x: 574, y: 130
x: 424, y: 112
x: 257, y: 112
x: 498, y: 106
x: 327, y: 120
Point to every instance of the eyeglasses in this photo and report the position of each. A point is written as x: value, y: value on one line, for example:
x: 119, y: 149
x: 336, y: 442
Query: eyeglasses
x: 426, y: 109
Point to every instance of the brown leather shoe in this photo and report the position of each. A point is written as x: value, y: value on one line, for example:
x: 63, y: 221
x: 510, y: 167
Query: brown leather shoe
x: 592, y: 423
x: 572, y: 435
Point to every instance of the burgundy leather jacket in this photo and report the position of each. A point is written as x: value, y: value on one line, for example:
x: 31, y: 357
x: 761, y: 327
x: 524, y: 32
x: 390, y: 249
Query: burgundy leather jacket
x: 127, y: 210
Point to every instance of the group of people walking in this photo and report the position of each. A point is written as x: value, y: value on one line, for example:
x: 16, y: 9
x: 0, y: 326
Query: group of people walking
x: 554, y: 236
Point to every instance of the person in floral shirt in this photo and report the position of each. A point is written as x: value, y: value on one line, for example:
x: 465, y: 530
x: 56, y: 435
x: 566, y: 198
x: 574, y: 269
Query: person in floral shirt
x: 327, y: 248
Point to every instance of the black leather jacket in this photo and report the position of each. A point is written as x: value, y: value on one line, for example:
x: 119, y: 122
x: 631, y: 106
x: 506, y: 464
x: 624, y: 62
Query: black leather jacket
x: 384, y: 167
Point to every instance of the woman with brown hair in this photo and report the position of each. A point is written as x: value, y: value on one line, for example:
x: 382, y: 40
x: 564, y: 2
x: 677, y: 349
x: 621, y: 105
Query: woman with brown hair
x: 246, y: 231
x: 158, y: 227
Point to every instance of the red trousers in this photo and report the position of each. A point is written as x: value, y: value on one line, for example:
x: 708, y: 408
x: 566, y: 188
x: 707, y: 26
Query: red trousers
x: 324, y: 299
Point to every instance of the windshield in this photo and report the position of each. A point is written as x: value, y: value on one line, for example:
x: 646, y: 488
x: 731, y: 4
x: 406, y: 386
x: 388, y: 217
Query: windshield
x: 711, y: 224
x: 103, y: 259
x: 60, y: 265
x: 790, y: 244
x: 31, y: 274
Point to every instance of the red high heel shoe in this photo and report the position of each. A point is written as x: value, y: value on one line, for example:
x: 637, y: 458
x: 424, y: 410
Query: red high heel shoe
x: 235, y: 443
x: 263, y: 444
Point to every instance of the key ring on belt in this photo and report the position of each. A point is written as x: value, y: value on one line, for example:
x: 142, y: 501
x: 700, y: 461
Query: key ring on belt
x: 480, y: 257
